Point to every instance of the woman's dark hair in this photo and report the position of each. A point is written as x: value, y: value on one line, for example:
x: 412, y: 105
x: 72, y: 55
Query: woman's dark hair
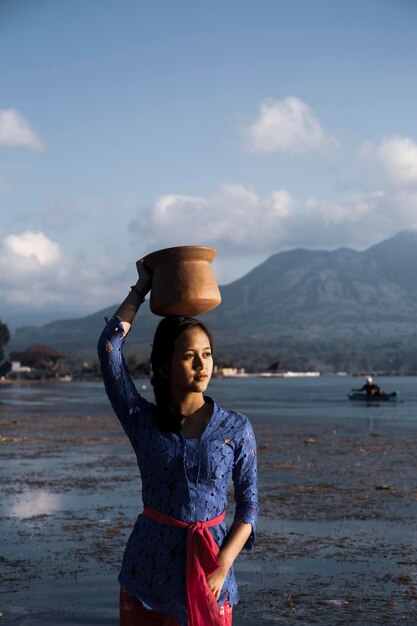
x: 169, y: 329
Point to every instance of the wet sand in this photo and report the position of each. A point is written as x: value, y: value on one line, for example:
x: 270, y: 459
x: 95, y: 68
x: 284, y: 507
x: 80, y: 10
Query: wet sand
x: 337, y: 540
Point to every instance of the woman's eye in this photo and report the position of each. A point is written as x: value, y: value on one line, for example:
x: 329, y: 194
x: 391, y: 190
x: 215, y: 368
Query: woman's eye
x: 207, y: 355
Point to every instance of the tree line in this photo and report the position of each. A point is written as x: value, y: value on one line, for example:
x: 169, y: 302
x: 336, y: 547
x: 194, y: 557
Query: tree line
x: 4, y: 338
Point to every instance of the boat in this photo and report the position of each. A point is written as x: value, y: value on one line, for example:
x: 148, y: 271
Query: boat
x: 361, y: 396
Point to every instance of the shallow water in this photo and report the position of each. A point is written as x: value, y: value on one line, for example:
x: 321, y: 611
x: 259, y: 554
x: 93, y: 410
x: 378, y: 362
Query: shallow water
x: 338, y: 503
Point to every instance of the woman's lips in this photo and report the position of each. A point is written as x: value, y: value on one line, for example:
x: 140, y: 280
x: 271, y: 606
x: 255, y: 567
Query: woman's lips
x: 200, y: 377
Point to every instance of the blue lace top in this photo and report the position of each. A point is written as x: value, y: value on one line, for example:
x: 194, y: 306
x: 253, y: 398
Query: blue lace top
x: 184, y: 478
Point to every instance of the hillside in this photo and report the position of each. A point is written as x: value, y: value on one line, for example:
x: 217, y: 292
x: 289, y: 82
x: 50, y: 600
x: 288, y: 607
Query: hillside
x: 304, y: 305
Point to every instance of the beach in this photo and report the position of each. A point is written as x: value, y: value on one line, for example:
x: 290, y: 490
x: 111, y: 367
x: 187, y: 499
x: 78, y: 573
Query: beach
x: 337, y: 536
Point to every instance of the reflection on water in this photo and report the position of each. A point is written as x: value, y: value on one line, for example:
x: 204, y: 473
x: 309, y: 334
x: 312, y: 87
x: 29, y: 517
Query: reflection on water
x: 42, y: 502
x: 36, y: 503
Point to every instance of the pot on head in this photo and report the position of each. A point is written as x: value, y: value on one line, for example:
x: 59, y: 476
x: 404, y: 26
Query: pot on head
x: 182, y: 281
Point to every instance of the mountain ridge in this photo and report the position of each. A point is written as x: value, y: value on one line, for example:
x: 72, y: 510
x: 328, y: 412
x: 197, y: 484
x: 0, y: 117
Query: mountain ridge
x: 296, y: 297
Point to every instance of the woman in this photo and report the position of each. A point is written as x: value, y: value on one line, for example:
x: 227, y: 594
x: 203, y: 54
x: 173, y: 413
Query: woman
x: 178, y: 563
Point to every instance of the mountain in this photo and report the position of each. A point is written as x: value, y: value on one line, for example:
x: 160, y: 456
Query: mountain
x: 323, y: 294
x: 295, y: 302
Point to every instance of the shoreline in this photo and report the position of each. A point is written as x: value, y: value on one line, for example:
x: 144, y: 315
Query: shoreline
x: 262, y: 375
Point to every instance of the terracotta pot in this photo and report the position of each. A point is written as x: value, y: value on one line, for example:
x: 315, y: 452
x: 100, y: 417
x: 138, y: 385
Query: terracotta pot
x: 182, y: 281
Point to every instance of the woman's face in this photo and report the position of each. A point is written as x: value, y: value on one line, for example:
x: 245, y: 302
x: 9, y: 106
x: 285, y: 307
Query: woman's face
x: 192, y: 362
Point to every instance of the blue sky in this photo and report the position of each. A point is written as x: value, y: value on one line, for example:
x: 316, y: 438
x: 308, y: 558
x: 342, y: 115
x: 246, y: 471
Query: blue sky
x: 253, y: 127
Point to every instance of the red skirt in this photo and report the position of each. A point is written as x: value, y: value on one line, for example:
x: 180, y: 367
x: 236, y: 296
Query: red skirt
x: 133, y: 613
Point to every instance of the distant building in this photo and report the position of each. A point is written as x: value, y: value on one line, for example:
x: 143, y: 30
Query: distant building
x: 231, y: 372
x: 39, y: 357
x: 17, y: 367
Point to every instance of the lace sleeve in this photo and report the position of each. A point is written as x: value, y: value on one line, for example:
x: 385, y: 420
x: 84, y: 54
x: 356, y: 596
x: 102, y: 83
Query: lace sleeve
x: 127, y: 403
x: 245, y: 481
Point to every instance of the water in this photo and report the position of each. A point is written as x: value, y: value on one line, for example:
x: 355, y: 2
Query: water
x: 337, y: 482
x: 262, y: 399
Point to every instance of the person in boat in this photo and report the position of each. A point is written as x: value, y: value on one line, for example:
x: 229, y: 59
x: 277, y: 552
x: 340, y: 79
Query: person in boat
x: 177, y: 568
x: 371, y: 388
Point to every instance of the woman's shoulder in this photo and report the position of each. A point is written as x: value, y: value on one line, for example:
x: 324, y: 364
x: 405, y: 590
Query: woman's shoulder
x: 232, y: 419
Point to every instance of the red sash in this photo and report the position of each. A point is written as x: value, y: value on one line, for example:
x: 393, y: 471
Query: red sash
x: 202, y: 550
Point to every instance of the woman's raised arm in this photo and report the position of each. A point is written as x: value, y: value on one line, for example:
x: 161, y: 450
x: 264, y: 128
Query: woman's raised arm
x: 120, y: 389
x: 130, y: 305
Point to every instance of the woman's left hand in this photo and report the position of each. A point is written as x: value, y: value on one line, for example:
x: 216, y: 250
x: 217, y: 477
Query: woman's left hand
x: 216, y: 580
x: 226, y: 556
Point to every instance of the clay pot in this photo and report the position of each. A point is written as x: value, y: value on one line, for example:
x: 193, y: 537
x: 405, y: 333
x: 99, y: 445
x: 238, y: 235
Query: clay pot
x: 182, y: 281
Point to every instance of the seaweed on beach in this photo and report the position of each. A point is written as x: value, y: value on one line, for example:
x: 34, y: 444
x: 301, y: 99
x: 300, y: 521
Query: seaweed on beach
x: 336, y: 539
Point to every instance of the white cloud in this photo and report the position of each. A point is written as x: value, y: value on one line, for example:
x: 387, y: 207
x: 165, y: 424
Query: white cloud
x: 355, y: 221
x: 397, y: 157
x: 16, y: 131
x: 282, y: 203
x: 232, y: 218
x: 28, y: 268
x: 287, y: 125
x: 34, y: 246
x: 36, y: 274
x: 240, y: 223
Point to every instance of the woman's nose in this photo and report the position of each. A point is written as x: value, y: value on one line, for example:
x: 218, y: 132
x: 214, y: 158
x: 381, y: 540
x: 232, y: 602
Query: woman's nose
x: 198, y: 363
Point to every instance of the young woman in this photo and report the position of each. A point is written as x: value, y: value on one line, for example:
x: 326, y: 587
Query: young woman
x: 178, y: 563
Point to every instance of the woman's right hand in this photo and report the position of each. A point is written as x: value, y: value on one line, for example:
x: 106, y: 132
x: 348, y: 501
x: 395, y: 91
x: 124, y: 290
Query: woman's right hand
x: 144, y: 283
x: 130, y: 305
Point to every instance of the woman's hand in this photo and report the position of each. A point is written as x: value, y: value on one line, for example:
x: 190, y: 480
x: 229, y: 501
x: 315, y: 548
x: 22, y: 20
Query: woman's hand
x: 130, y: 305
x: 216, y: 580
x: 226, y: 556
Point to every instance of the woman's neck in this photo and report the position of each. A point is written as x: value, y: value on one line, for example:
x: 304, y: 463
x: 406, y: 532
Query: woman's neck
x: 196, y: 415
x: 187, y: 405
